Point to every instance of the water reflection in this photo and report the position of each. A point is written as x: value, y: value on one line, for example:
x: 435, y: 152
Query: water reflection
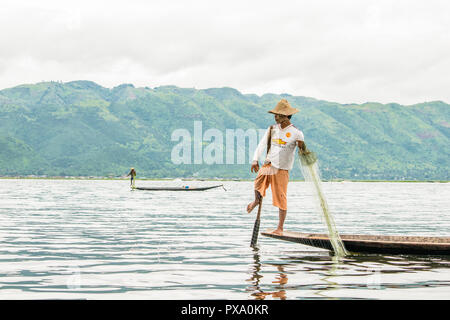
x: 328, y: 278
x: 115, y: 244
x: 280, y: 278
x: 255, y: 269
x: 320, y: 275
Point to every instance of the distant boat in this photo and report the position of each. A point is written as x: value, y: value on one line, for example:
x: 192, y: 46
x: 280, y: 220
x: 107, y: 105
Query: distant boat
x: 185, y: 188
x: 372, y: 243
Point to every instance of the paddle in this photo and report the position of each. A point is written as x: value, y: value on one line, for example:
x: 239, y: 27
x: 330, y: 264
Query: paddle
x: 257, y: 221
x: 256, y: 226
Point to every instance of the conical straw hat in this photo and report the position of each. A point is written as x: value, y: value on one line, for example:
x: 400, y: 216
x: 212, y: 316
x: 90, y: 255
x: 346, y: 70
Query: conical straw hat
x: 283, y: 107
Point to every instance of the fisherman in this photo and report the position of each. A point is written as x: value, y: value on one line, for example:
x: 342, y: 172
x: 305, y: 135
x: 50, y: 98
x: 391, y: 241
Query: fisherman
x: 281, y: 140
x: 132, y: 173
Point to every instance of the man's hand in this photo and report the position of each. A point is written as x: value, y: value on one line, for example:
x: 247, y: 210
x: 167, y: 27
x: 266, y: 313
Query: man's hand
x: 255, y: 166
x: 302, y: 148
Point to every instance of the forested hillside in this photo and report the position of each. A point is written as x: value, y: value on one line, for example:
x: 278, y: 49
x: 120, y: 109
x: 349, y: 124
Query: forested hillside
x: 82, y: 129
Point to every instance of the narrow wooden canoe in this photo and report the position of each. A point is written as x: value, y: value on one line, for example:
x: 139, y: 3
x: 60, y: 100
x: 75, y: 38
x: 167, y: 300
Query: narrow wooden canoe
x: 371, y: 243
x: 177, y: 188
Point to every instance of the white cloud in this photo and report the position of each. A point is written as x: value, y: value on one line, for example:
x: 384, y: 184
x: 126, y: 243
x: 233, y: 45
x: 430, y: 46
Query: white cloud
x: 345, y: 51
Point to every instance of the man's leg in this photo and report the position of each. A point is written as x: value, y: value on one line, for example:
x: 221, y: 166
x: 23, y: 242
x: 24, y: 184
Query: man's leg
x: 279, y: 197
x: 261, y: 184
x: 281, y: 217
x: 253, y: 204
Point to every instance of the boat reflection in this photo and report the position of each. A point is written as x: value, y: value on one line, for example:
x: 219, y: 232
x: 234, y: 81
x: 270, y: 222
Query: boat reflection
x: 320, y: 275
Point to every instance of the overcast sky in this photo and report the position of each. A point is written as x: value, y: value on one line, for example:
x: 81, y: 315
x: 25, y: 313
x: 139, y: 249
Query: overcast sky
x: 343, y: 51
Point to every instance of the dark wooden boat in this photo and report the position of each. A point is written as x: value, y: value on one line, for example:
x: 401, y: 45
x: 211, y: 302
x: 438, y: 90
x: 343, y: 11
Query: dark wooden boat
x: 177, y: 188
x: 371, y: 243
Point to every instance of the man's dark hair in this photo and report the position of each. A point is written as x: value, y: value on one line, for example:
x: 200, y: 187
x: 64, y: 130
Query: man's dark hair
x: 289, y: 117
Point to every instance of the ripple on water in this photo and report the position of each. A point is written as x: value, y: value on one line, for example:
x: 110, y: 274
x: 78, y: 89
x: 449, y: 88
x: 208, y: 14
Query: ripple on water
x: 98, y: 240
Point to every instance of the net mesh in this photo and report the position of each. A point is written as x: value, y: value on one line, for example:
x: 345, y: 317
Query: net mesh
x: 310, y: 169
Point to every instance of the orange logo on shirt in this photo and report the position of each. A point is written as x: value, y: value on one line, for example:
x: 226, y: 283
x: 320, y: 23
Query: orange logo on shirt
x: 288, y: 134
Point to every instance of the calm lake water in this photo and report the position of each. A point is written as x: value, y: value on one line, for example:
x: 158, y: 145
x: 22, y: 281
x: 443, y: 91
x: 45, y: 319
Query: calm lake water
x: 95, y: 239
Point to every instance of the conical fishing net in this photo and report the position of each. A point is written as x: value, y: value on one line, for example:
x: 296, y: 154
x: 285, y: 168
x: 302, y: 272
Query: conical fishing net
x: 310, y: 170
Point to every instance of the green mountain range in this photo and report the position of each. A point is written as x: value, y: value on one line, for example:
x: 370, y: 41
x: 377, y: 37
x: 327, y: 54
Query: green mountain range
x: 80, y: 128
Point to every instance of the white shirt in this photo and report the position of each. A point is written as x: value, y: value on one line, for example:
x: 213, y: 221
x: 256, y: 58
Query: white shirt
x: 282, y: 147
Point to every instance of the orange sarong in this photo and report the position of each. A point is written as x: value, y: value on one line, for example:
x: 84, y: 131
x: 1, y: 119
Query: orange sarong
x: 278, y: 180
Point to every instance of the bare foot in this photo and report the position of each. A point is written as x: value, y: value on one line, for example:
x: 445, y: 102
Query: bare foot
x: 251, y: 206
x: 278, y: 231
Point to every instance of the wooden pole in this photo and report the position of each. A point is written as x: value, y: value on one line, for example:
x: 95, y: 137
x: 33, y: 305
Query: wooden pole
x: 256, y: 226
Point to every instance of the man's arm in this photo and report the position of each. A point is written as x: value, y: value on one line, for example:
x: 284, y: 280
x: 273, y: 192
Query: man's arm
x: 301, y: 145
x: 259, y: 150
x: 302, y: 148
x: 301, y: 142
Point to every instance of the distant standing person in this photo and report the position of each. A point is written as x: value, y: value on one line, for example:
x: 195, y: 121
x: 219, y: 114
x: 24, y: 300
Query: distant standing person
x: 132, y: 173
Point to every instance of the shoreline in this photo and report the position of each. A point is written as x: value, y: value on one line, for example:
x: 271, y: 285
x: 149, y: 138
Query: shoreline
x: 191, y: 179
